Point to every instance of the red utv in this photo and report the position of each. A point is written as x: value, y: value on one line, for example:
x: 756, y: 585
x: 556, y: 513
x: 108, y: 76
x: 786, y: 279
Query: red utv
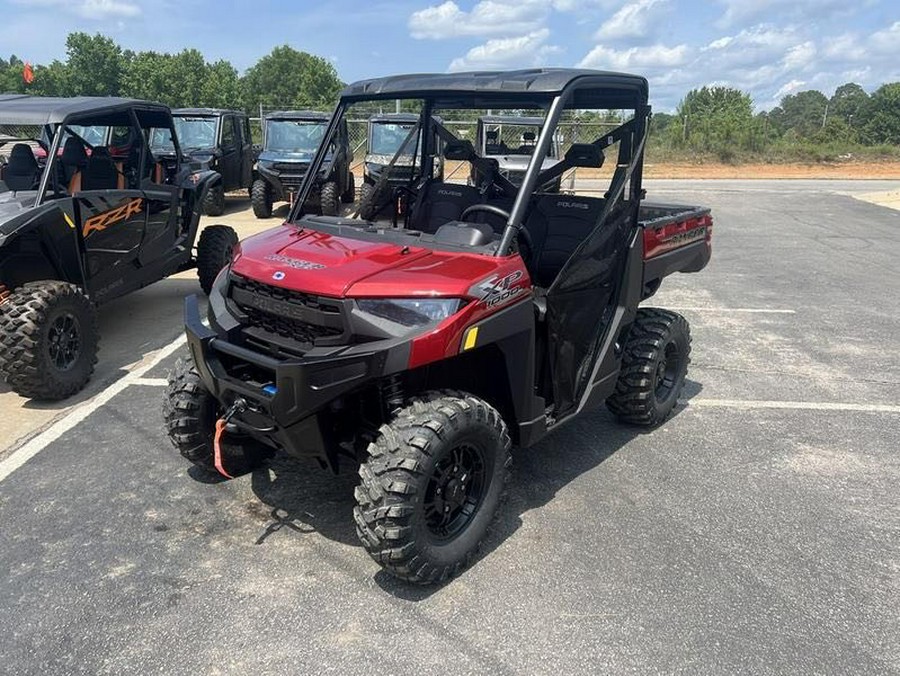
x: 420, y: 350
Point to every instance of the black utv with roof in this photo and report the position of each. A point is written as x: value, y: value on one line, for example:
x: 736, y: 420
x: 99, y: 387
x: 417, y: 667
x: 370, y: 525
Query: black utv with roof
x: 386, y: 133
x: 88, y: 214
x: 290, y: 141
x: 511, y: 141
x: 218, y: 138
x: 418, y: 354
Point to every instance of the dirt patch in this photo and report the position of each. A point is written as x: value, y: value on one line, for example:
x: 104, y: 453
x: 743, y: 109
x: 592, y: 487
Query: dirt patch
x: 842, y: 170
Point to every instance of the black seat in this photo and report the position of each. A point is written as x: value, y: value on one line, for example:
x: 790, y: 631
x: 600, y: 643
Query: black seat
x: 73, y: 159
x: 440, y: 203
x: 22, y: 170
x: 557, y: 225
x: 100, y: 172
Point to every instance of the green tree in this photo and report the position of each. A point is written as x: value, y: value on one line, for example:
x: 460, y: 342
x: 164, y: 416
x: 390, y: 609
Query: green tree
x: 11, y: 75
x: 882, y: 122
x: 804, y: 112
x: 221, y: 87
x: 289, y: 78
x: 848, y: 103
x: 51, y: 80
x: 714, y: 119
x: 96, y: 64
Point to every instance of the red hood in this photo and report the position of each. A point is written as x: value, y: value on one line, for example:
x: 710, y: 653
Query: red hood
x: 322, y: 264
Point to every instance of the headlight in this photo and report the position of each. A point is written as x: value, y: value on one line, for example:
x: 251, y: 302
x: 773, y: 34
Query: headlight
x: 411, y: 311
x: 266, y: 164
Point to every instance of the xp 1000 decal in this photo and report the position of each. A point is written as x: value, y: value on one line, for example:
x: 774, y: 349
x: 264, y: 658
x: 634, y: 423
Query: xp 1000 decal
x: 498, y: 290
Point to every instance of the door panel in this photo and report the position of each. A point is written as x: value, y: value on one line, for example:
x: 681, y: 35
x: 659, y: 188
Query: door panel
x: 163, y: 217
x: 112, y: 224
x: 230, y: 162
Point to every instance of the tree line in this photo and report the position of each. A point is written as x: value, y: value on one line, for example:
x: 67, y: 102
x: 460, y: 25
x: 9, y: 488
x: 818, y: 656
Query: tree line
x: 96, y: 65
x: 715, y: 120
x: 721, y: 121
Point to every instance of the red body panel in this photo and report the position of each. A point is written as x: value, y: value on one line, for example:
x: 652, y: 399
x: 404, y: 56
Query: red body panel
x: 676, y: 234
x: 322, y: 264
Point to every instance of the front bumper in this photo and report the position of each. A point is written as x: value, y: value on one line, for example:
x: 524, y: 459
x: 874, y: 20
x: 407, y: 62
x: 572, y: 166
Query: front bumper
x: 284, y: 396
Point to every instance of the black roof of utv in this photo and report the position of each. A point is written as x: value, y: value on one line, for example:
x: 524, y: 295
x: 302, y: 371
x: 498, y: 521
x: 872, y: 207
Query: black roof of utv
x: 205, y: 112
x: 41, y: 110
x: 592, y: 88
x: 394, y: 117
x: 298, y: 115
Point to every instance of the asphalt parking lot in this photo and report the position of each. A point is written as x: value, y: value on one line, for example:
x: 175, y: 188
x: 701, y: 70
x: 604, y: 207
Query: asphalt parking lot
x: 756, y: 531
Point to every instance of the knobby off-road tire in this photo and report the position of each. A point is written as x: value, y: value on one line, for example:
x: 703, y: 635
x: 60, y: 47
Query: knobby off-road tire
x: 214, y: 201
x: 367, y: 203
x: 214, y: 249
x: 48, y: 340
x: 190, y: 414
x: 261, y: 199
x: 431, y: 486
x: 330, y: 201
x: 654, y: 365
x: 350, y: 194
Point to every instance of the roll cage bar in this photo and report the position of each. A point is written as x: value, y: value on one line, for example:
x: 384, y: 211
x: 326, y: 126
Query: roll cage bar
x: 628, y: 166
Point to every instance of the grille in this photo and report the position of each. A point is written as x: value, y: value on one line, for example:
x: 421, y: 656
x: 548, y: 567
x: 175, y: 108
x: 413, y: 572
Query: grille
x: 292, y: 167
x: 275, y: 311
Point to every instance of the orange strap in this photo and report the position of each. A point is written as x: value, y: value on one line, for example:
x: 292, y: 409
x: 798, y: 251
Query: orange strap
x: 217, y: 449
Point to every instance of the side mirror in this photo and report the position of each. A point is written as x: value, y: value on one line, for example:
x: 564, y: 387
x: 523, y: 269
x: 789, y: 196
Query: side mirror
x: 584, y: 155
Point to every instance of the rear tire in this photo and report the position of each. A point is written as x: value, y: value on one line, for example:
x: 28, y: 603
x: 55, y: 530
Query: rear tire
x: 214, y: 250
x: 214, y: 201
x: 330, y: 203
x: 48, y: 340
x: 190, y: 412
x: 431, y: 487
x: 350, y: 194
x: 654, y: 365
x: 261, y: 199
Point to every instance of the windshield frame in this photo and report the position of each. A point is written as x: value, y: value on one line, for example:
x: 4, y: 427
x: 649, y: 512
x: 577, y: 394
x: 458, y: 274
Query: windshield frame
x: 432, y: 102
x: 194, y: 117
x: 295, y: 121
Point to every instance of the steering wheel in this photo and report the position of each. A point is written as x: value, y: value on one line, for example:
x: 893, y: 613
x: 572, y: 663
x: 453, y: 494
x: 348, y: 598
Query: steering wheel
x: 489, y: 208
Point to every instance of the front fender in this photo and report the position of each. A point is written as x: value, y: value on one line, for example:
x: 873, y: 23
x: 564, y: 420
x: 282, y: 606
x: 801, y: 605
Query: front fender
x: 194, y: 185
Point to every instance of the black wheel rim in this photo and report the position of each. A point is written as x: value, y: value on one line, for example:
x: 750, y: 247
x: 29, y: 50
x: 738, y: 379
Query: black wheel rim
x: 455, y: 491
x: 667, y: 370
x: 64, y: 341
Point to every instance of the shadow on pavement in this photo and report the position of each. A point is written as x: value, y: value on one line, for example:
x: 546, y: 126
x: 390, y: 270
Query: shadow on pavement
x: 305, y: 498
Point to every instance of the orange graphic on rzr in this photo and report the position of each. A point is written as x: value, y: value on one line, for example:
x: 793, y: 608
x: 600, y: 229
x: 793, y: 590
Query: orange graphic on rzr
x: 112, y: 217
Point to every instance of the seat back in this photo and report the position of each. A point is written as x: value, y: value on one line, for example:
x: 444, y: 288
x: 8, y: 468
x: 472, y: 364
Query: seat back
x: 100, y: 172
x: 558, y: 224
x: 441, y: 203
x: 22, y: 170
x: 73, y: 160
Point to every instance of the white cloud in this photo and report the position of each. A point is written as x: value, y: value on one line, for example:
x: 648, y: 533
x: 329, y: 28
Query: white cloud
x: 745, y: 11
x: 524, y: 51
x: 89, y: 9
x: 487, y: 18
x: 789, y: 88
x: 632, y: 20
x: 635, y: 58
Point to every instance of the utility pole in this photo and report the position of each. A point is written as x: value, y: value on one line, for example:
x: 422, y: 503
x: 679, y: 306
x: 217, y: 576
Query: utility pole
x: 825, y: 116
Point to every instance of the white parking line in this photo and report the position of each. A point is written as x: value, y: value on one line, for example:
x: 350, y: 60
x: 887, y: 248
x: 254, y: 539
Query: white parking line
x: 749, y: 310
x: 151, y: 382
x: 749, y: 404
x: 34, y: 446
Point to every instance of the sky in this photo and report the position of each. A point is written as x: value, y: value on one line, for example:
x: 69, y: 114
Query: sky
x: 768, y: 48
